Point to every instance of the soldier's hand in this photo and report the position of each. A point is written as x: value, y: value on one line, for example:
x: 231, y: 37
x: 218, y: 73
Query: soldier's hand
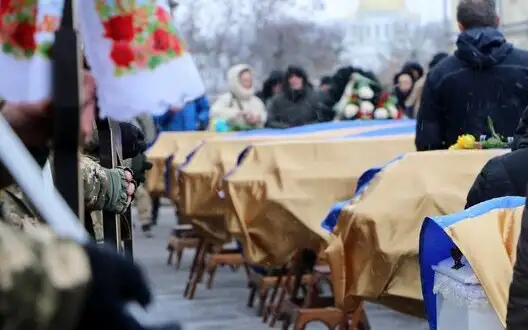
x: 121, y: 189
x: 139, y: 166
x: 133, y: 140
x: 116, y: 281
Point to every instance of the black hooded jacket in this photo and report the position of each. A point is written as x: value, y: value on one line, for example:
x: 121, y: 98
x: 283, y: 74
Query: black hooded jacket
x: 292, y: 108
x: 487, y: 76
x: 504, y: 175
x: 275, y: 77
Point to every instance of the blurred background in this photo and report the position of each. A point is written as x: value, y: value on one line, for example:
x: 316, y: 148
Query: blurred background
x: 321, y: 35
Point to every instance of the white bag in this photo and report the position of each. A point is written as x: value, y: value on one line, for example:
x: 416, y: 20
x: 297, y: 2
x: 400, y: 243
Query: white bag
x: 461, y: 303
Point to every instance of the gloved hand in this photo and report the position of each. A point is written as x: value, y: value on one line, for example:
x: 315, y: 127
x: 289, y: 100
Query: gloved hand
x: 133, y: 140
x: 121, y: 188
x: 116, y: 281
x: 139, y: 166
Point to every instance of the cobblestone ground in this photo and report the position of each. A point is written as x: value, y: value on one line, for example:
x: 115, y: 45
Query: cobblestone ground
x: 223, y: 307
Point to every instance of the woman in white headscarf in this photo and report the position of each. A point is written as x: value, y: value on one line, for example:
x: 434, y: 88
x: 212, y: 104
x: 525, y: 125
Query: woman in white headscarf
x: 239, y: 107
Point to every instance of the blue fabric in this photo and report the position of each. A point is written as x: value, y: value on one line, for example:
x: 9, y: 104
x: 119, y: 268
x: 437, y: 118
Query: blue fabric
x: 399, y: 130
x: 404, y: 129
x: 435, y: 244
x: 364, y: 180
x: 195, y: 115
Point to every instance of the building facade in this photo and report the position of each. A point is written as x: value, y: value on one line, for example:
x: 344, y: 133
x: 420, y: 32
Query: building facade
x: 375, y: 26
x: 513, y: 20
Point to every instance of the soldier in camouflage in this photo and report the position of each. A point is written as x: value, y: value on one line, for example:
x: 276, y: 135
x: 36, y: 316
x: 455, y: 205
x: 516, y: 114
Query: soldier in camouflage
x: 53, y: 283
x: 104, y: 189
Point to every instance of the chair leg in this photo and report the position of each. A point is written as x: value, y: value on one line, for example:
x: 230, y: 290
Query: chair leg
x: 262, y: 302
x: 277, y: 308
x: 286, y: 323
x: 169, y: 258
x: 247, y: 271
x: 212, y: 272
x: 196, y: 280
x: 192, y: 280
x: 252, y: 293
x: 179, y: 256
x: 268, y: 308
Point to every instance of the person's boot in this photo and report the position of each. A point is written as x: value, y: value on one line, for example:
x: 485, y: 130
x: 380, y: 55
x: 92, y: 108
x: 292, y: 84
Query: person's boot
x: 155, y: 210
x: 147, y: 230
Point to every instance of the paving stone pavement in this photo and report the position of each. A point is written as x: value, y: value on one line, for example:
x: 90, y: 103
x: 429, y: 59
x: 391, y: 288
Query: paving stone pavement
x: 223, y: 307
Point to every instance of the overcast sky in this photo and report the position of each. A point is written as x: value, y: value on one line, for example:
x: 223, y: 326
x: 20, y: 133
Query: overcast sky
x: 429, y: 10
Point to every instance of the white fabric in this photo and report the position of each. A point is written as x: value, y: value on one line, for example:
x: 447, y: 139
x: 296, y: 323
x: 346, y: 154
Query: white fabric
x: 48, y: 177
x: 26, y: 79
x: 461, y: 303
x: 159, y: 73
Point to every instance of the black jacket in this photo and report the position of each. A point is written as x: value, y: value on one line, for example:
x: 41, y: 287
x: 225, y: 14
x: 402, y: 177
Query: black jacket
x: 485, y: 77
x: 296, y: 108
x: 517, y: 317
x: 275, y: 77
x: 520, y: 138
x: 504, y: 175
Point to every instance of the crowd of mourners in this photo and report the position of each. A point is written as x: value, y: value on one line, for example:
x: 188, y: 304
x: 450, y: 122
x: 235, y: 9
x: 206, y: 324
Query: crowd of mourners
x: 290, y: 98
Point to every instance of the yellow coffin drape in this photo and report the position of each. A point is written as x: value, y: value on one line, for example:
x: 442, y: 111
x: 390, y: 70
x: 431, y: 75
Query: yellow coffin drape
x: 200, y: 180
x: 489, y: 243
x: 375, y: 254
x: 168, y: 144
x: 278, y: 196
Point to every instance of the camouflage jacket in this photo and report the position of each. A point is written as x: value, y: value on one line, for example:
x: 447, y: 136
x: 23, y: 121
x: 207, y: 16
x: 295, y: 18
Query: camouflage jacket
x: 104, y: 189
x: 43, y: 278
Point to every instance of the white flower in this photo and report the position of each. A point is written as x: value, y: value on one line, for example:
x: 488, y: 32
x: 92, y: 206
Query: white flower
x: 366, y: 107
x: 365, y: 93
x: 381, y: 113
x: 351, y: 110
x: 393, y: 111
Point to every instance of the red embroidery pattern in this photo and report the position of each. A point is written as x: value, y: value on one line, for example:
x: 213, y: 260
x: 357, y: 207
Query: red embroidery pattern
x: 18, y: 26
x: 141, y: 33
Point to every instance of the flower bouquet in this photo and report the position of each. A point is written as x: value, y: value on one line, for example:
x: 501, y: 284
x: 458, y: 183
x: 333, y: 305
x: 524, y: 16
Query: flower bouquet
x: 469, y: 142
x: 387, y: 107
x: 359, y: 101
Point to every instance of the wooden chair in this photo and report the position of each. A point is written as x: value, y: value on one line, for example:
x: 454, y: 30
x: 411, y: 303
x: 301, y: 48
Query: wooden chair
x: 316, y: 307
x: 228, y: 257
x: 263, y: 284
x: 207, y: 258
x: 182, y: 237
x: 286, y: 286
x: 313, y: 306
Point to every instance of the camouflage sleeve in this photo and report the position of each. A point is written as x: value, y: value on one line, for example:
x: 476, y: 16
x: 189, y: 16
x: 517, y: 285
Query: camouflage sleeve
x: 14, y: 209
x: 43, y: 279
x: 96, y: 181
x: 104, y: 189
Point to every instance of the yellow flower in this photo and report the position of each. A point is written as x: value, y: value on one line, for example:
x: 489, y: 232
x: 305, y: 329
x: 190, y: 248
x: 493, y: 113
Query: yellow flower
x: 454, y: 147
x: 466, y: 141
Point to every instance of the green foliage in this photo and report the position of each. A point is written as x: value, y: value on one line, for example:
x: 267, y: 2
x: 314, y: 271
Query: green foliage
x: 154, y: 62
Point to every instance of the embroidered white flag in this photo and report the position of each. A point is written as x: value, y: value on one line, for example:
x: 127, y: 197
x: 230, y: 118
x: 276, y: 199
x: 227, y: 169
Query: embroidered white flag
x: 139, y: 61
